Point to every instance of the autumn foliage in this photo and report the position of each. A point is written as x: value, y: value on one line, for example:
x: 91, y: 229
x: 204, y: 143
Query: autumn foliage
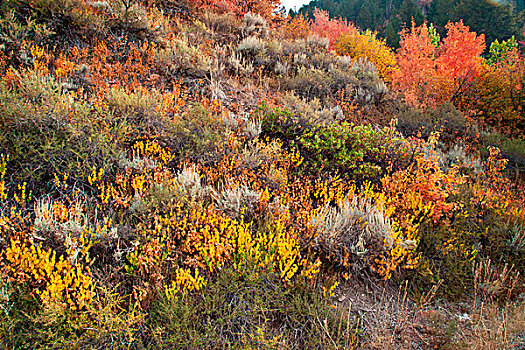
x: 265, y: 8
x: 430, y: 74
x: 499, y: 93
x: 199, y: 176
x: 331, y: 28
x: 368, y: 46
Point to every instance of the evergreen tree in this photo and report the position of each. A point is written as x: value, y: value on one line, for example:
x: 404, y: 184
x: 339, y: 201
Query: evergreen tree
x: 364, y: 18
x: 440, y: 13
x: 408, y: 12
x: 496, y: 21
x: 390, y: 34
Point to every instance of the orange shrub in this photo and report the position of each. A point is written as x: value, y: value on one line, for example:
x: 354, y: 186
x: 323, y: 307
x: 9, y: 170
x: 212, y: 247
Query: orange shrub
x: 421, y: 193
x: 265, y: 8
x: 500, y: 94
x: 297, y: 27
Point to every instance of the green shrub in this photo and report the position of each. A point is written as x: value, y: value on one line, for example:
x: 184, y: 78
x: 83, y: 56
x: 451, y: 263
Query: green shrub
x: 45, y: 133
x: 446, y: 119
x: 196, y: 135
x: 250, y: 310
x: 358, y: 152
x: 280, y: 124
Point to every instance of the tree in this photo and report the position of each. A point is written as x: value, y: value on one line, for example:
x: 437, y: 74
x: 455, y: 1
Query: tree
x: 440, y: 13
x: 409, y: 12
x: 499, y: 97
x: 495, y: 20
x: 367, y: 45
x: 331, y: 28
x: 417, y: 78
x: 431, y: 75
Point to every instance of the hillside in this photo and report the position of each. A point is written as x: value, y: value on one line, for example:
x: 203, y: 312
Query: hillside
x: 213, y: 175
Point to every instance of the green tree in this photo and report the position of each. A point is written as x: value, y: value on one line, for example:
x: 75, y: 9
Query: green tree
x: 440, y: 13
x: 495, y: 20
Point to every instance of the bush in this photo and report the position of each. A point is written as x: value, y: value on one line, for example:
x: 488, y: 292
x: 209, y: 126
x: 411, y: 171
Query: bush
x: 239, y: 202
x: 358, y: 79
x: 196, y: 135
x: 280, y: 124
x: 254, y: 24
x: 367, y: 46
x: 311, y: 111
x: 357, y: 152
x: 352, y: 232
x: 45, y: 135
x: 182, y: 59
x: 449, y: 121
x: 244, y: 309
x: 498, y: 95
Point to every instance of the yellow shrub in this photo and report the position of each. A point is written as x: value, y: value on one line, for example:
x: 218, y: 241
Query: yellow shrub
x: 184, y: 281
x: 63, y: 283
x: 367, y: 45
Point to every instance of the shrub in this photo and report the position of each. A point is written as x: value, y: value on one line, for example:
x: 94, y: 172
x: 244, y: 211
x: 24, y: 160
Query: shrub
x: 498, y: 95
x: 356, y: 78
x: 281, y: 124
x: 223, y: 27
x: 457, y: 156
x: 181, y: 58
x: 357, y: 152
x: 312, y: 111
x: 254, y: 24
x: 46, y: 132
x: 421, y: 194
x: 246, y: 309
x: 66, y: 286
x: 252, y: 47
x: 369, y: 88
x: 15, y: 37
x: 349, y: 231
x: 197, y: 134
x: 332, y: 29
x: 182, y: 188
x: 140, y: 110
x: 296, y: 27
x: 447, y: 119
x: 367, y: 46
x: 238, y: 202
x: 511, y: 148
x: 430, y: 75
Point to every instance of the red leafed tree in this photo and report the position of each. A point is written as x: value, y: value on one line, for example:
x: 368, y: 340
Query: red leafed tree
x: 331, y: 28
x: 265, y: 8
x: 460, y: 58
x: 417, y: 77
x: 431, y: 74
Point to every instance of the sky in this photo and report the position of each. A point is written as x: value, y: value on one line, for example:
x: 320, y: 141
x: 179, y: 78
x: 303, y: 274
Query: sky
x: 290, y: 4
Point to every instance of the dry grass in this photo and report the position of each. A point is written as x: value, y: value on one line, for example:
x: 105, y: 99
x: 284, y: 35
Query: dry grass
x: 391, y: 319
